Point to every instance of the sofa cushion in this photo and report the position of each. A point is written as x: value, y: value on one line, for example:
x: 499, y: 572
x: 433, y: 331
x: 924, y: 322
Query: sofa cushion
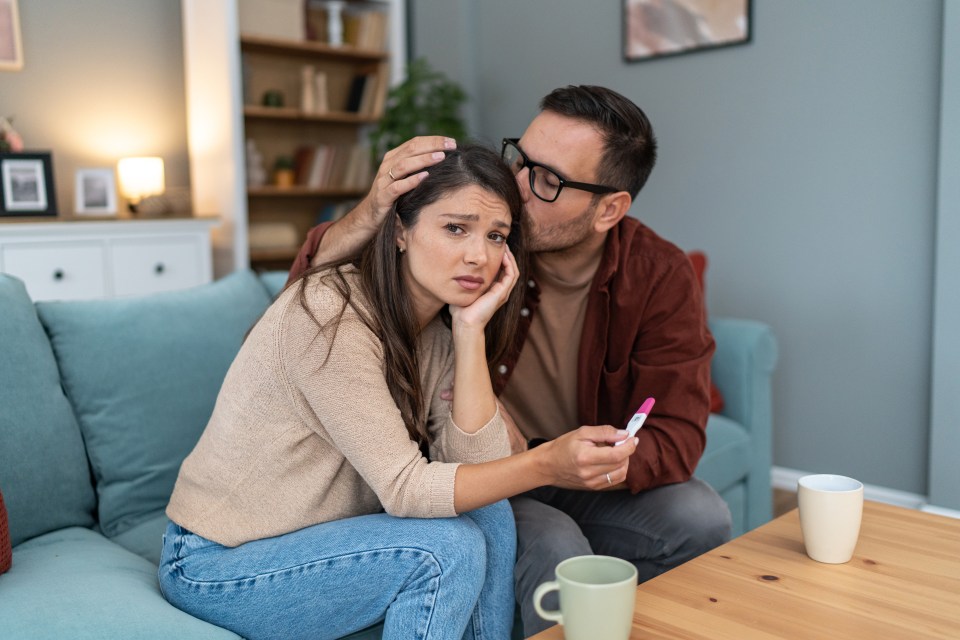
x: 726, y: 459
x: 143, y: 375
x: 74, y: 583
x: 44, y: 473
x: 274, y: 281
x: 145, y: 538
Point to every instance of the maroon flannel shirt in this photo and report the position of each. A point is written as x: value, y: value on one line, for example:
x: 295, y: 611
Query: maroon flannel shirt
x: 644, y: 334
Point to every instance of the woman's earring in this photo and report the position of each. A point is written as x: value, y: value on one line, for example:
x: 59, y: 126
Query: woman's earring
x: 402, y: 250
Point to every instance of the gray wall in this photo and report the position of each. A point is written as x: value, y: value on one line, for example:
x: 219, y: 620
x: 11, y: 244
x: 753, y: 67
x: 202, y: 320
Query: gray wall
x: 804, y: 164
x: 102, y: 80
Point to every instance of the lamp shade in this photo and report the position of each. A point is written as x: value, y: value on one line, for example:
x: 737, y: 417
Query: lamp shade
x: 140, y: 177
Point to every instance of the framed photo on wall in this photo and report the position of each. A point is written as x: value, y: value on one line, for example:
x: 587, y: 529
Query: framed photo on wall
x: 658, y: 28
x: 26, y: 184
x: 11, y: 49
x: 95, y: 192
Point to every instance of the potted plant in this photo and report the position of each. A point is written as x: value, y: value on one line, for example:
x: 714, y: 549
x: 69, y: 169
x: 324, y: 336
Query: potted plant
x: 427, y: 102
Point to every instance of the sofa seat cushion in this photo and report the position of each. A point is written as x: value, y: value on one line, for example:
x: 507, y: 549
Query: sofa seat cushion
x: 142, y: 375
x: 74, y: 583
x: 726, y: 459
x: 44, y: 473
x: 145, y: 538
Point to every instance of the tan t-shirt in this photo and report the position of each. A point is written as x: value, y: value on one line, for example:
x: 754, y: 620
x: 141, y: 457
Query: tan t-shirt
x: 542, y: 392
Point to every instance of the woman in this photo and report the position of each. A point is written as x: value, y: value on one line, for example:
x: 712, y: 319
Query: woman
x: 331, y: 415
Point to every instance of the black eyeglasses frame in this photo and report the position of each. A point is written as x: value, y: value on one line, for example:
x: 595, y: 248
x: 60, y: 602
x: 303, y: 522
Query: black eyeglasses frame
x: 530, y: 164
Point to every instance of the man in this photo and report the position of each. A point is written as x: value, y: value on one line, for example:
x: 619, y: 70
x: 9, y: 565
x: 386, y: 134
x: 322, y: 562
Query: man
x: 613, y: 315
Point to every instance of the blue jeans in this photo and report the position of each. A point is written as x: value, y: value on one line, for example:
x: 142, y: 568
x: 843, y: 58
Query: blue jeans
x: 423, y: 578
x: 656, y: 530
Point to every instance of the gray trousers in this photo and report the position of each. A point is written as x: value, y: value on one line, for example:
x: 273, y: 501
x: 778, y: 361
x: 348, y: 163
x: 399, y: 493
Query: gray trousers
x: 656, y: 530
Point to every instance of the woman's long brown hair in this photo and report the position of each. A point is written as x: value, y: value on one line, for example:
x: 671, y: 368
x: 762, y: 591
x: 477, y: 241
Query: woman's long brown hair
x: 391, y: 315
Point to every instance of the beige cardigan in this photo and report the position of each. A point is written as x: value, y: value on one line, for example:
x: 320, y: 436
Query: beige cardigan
x: 293, y: 443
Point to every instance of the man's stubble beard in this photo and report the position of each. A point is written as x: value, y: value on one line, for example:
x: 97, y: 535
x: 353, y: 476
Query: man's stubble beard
x: 561, y: 237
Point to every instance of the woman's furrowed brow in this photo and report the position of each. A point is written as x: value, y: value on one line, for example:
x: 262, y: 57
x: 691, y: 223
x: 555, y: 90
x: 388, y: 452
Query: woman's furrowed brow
x: 472, y: 217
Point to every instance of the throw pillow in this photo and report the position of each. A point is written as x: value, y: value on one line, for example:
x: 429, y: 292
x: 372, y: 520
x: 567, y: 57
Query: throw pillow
x: 44, y: 469
x: 143, y: 375
x: 699, y: 261
x: 6, y: 553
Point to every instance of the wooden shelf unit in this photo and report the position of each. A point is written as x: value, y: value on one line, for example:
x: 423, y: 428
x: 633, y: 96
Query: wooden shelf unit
x: 277, y: 65
x: 221, y: 65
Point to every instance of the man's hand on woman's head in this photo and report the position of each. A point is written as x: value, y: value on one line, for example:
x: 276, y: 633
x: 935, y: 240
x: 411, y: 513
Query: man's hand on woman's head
x: 402, y: 169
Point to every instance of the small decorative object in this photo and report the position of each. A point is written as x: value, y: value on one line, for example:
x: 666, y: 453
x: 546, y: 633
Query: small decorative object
x: 283, y: 174
x: 256, y: 173
x: 140, y: 178
x: 10, y: 140
x: 308, y: 91
x: 273, y: 98
x: 11, y: 48
x: 172, y: 202
x: 657, y: 28
x: 427, y: 102
x: 95, y: 192
x: 26, y: 184
x: 335, y: 23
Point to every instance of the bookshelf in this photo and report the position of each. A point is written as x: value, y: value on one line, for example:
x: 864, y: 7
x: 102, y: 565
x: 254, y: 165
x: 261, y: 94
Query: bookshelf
x: 231, y: 66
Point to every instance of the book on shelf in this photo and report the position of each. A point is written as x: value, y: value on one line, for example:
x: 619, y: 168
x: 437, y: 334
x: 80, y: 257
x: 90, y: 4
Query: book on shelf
x: 366, y: 95
x: 333, y: 167
x: 355, y: 93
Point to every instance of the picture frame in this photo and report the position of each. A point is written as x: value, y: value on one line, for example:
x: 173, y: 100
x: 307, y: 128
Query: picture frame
x: 26, y: 184
x: 95, y: 192
x: 661, y: 28
x: 11, y: 47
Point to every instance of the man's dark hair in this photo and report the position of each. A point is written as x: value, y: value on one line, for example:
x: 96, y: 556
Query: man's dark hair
x: 630, y: 147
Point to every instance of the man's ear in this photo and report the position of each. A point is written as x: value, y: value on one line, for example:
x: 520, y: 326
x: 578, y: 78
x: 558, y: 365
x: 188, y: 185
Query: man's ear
x: 610, y: 210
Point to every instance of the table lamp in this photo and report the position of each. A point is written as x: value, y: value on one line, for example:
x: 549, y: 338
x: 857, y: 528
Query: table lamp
x: 139, y: 178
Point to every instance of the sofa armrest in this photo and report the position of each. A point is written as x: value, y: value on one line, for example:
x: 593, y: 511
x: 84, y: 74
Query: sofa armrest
x: 742, y: 370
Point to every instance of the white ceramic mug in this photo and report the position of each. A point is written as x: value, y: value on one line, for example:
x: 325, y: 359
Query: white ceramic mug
x: 831, y: 508
x: 597, y: 596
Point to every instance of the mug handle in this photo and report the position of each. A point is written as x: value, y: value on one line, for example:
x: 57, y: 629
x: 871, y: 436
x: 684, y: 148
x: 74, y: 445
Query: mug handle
x: 542, y: 590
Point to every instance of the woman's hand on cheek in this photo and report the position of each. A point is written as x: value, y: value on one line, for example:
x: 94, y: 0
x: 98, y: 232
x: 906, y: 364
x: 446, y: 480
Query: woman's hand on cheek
x: 478, y: 313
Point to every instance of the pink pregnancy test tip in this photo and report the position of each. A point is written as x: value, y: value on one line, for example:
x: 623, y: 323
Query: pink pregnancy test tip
x: 646, y: 406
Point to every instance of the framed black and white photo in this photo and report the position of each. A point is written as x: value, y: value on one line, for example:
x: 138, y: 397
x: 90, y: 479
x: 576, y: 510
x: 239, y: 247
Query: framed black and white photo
x: 96, y: 192
x: 658, y: 28
x: 11, y: 49
x: 26, y: 184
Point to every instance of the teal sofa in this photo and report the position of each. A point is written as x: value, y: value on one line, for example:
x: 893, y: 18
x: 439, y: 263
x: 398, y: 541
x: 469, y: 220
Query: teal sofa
x: 100, y: 401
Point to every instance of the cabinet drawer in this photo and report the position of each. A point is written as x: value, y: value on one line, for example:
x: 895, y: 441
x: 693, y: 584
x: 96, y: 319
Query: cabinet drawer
x: 139, y: 267
x: 58, y: 271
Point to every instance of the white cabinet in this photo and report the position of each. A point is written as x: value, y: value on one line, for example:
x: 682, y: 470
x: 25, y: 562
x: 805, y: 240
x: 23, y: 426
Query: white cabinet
x: 77, y: 260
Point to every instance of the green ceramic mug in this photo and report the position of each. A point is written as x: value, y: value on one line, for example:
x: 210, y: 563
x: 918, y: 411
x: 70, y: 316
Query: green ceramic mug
x: 597, y: 595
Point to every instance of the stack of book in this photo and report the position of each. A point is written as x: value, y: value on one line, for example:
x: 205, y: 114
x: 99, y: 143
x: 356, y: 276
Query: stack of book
x: 333, y: 167
x: 367, y: 94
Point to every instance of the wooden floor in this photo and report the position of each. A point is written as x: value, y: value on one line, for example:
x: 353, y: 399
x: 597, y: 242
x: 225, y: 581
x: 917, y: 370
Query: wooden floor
x: 783, y: 501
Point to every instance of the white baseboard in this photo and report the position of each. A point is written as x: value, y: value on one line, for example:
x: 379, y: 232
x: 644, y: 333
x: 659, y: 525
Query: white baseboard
x: 783, y: 478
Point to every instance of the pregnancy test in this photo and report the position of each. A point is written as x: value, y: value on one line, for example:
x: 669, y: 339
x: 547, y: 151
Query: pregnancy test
x: 637, y: 420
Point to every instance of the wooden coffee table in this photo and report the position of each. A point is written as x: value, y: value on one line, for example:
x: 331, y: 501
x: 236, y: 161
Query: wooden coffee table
x: 903, y: 582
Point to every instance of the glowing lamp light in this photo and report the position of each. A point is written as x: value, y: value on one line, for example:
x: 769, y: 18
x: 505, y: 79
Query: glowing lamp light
x: 140, y: 178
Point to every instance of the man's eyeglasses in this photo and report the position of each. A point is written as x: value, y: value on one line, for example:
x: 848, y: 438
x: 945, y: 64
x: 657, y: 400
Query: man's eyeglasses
x: 545, y: 183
